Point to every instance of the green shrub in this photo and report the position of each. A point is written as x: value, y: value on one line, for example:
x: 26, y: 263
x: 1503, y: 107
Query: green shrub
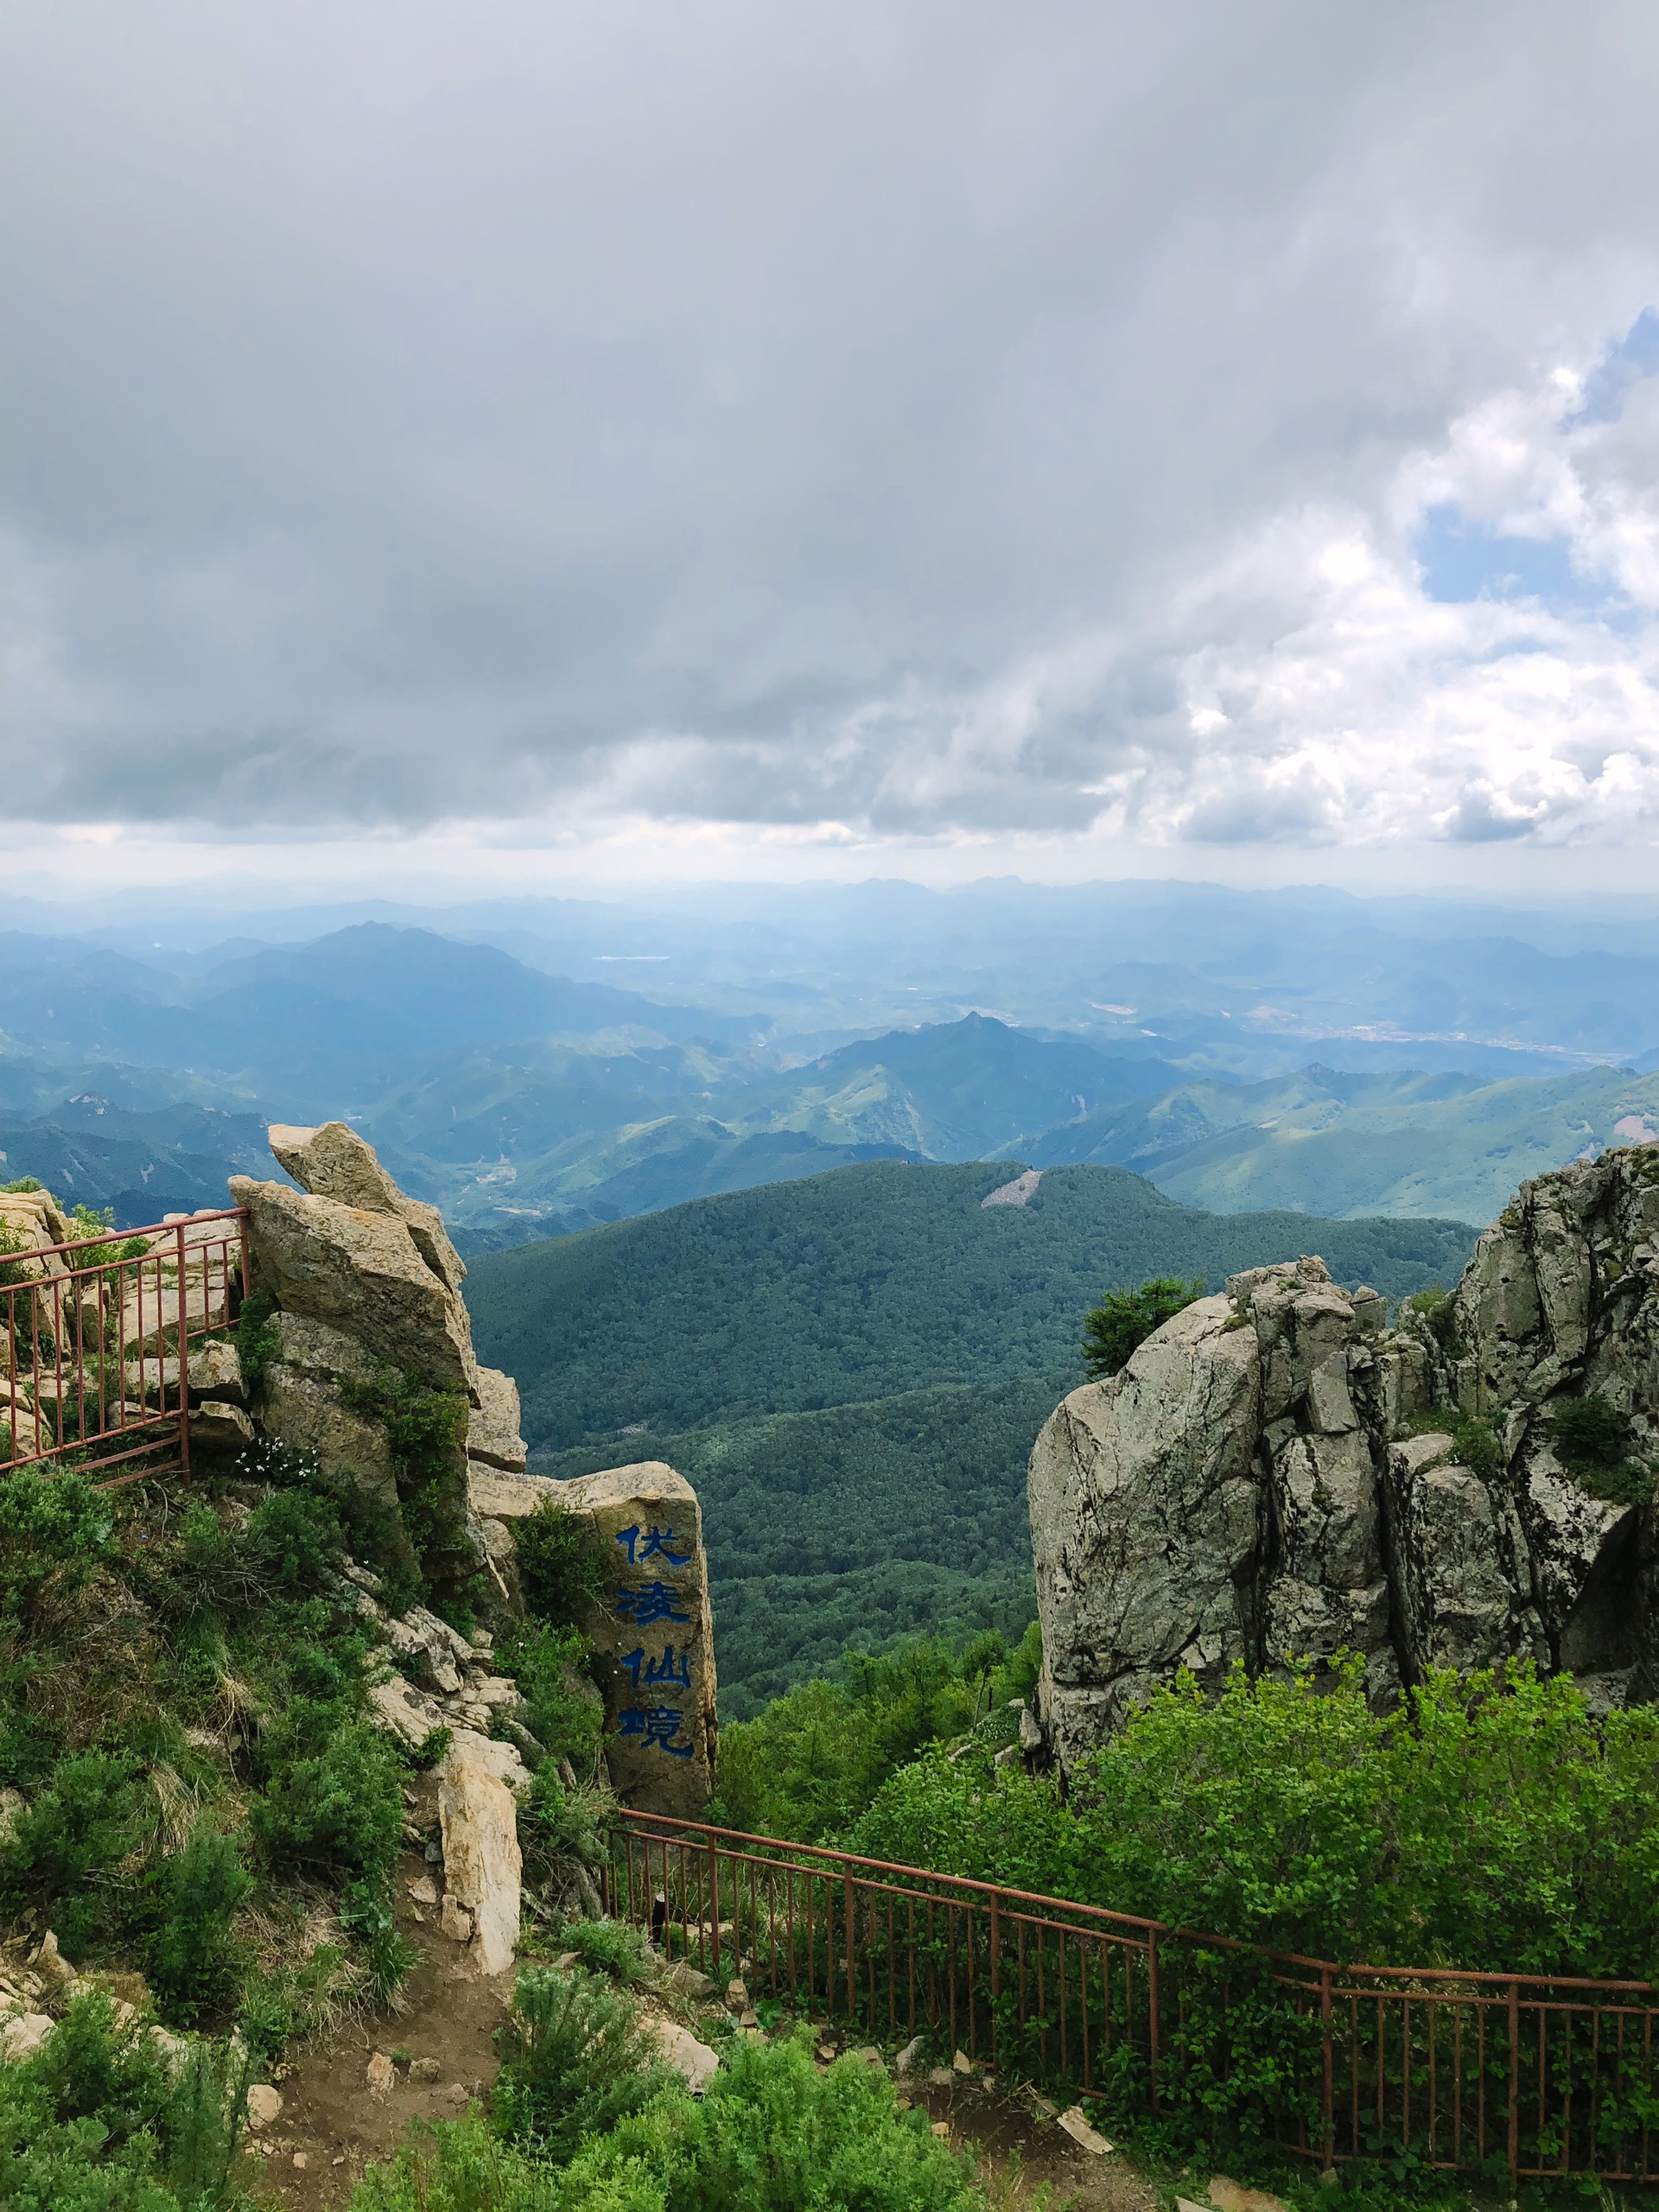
x: 1588, y: 1431
x: 256, y: 1341
x: 427, y: 1432
x: 93, y: 2123
x: 1490, y: 1823
x: 575, y: 2056
x: 559, y: 1564
x: 54, y: 1529
x: 1477, y: 1445
x: 610, y: 1946
x: 335, y: 1810
x: 815, y: 1758
x: 550, y: 1667
x: 1125, y: 1319
x: 81, y: 1822
x: 772, y: 2134
x: 293, y: 1541
x: 461, y: 2166
x: 190, y: 1960
x: 555, y: 1824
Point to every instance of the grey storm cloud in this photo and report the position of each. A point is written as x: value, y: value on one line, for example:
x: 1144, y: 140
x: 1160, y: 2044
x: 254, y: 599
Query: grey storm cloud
x: 901, y: 415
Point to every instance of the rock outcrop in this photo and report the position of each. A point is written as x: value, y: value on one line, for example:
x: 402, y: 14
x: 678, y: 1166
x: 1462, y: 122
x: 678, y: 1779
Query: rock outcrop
x: 365, y: 1280
x: 1273, y: 1477
x: 652, y: 1632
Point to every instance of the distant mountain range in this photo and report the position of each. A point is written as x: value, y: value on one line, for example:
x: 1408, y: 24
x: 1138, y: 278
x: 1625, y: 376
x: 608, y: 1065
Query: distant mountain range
x: 531, y: 1105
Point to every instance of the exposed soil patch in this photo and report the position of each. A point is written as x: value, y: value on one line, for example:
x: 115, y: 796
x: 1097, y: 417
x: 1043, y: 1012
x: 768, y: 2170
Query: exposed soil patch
x: 442, y: 2032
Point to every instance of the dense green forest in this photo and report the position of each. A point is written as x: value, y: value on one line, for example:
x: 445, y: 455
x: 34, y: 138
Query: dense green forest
x: 876, y: 1279
x: 852, y: 1369
x: 856, y: 1525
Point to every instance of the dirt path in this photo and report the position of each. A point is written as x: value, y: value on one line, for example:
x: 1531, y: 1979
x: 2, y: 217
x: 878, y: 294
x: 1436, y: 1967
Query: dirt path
x: 333, y: 2122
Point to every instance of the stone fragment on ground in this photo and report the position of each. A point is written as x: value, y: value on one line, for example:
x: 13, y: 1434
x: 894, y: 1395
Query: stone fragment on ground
x: 381, y: 2074
x: 23, y: 2036
x: 908, y: 2058
x: 696, y: 2063
x: 1075, y: 2122
x: 1230, y: 2195
x: 264, y: 2106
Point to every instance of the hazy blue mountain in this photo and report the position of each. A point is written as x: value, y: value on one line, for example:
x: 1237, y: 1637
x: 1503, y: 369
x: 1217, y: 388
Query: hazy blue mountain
x: 963, y: 1091
x: 166, y: 1159
x: 1347, y: 1146
x: 514, y: 1146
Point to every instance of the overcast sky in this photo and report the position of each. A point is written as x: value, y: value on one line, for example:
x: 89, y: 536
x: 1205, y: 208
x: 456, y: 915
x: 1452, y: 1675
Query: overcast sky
x: 1184, y: 431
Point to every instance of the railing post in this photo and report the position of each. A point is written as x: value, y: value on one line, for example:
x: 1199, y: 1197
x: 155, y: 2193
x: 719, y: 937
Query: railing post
x: 183, y: 1350
x: 1330, y: 2069
x: 1152, y: 2009
x: 1514, y: 2080
x: 996, y: 1964
x: 852, y: 1969
x: 714, y: 1902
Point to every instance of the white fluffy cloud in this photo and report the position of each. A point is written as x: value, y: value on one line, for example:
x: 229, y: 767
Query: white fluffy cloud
x: 1209, y: 424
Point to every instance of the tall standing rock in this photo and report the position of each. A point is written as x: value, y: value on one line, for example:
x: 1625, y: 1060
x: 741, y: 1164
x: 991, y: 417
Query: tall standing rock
x: 652, y: 1632
x: 1252, y: 1487
x: 364, y: 1278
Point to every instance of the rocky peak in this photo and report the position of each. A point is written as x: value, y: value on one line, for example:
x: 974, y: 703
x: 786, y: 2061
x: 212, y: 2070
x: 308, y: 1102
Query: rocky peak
x: 1274, y: 1477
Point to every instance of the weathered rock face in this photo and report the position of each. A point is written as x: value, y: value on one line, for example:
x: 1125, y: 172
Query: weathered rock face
x: 1249, y: 1487
x: 481, y: 1861
x: 335, y: 1162
x: 361, y: 1271
x: 651, y: 1633
x: 364, y: 1277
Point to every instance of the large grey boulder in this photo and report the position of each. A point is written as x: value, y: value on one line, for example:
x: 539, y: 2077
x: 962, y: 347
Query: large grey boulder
x: 362, y: 1273
x: 334, y: 1162
x: 1253, y: 1486
x: 652, y: 1632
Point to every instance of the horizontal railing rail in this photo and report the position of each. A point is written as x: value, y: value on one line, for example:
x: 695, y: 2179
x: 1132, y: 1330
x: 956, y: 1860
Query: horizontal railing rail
x: 95, y: 1338
x: 1537, y: 2076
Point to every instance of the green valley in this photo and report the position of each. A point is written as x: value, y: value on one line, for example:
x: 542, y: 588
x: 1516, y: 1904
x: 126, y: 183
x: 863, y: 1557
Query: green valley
x: 851, y: 1370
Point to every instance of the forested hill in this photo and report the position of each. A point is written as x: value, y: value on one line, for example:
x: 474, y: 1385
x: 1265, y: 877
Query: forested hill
x: 875, y: 1278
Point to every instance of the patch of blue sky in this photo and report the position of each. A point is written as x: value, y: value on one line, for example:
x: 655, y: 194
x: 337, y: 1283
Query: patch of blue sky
x: 1636, y: 356
x: 1462, y: 560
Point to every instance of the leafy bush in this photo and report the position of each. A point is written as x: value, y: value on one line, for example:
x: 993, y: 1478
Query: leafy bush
x: 82, y: 1821
x: 256, y: 1341
x: 555, y: 1825
x: 574, y: 2057
x: 814, y: 1759
x: 1125, y: 1319
x: 461, y: 2166
x: 1592, y: 1438
x: 190, y: 1960
x: 54, y: 1529
x: 610, y: 1946
x: 559, y: 1565
x: 550, y: 1667
x: 334, y: 1808
x: 772, y: 2133
x: 93, y: 2123
x: 1589, y: 1433
x: 427, y: 1432
x: 1492, y: 1823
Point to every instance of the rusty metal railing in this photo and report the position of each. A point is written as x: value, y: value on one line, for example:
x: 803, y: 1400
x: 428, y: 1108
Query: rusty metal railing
x: 95, y: 1339
x: 1539, y: 2078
